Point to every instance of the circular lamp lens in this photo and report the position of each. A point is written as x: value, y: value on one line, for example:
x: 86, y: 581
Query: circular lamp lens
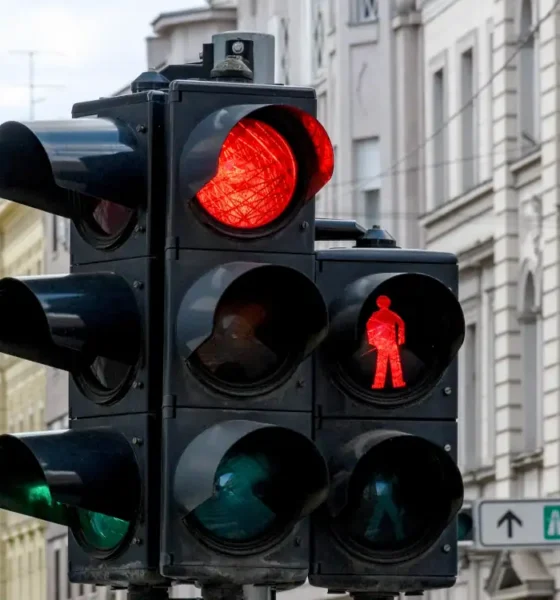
x: 408, y: 332
x: 255, y: 180
x: 400, y: 499
x: 255, y: 338
x: 101, y: 532
x: 241, y: 508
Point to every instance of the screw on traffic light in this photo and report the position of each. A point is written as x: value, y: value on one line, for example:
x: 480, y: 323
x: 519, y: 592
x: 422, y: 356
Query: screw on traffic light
x: 101, y: 323
x: 243, y: 315
x: 385, y: 416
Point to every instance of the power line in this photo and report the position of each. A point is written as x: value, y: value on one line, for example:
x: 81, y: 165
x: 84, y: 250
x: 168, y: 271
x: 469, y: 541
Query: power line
x: 31, y: 85
x: 506, y: 64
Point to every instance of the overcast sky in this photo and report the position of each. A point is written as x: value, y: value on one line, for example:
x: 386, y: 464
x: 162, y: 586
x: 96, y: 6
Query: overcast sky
x: 90, y: 48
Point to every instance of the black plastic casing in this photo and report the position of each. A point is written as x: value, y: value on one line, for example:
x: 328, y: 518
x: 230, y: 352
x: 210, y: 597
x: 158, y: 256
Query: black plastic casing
x: 340, y: 417
x: 194, y: 247
x: 138, y: 259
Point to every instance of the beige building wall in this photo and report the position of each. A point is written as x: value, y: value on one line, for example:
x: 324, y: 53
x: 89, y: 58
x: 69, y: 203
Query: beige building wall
x: 22, y: 406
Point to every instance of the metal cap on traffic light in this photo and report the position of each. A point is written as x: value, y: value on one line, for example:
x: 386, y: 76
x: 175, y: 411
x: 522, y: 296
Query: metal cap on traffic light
x: 248, y: 169
x: 88, y: 481
x: 242, y: 485
x: 78, y: 168
x: 392, y: 337
x: 87, y: 324
x: 243, y: 328
x: 393, y: 494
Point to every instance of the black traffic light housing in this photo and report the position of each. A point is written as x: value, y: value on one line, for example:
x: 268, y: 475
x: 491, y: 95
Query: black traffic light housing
x: 385, y: 420
x: 243, y: 315
x: 104, y: 170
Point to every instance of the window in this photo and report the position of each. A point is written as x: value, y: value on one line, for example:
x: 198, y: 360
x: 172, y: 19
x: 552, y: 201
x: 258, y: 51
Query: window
x: 468, y: 126
x: 55, y: 219
x: 471, y: 396
x: 365, y: 11
x: 367, y: 166
x: 57, y: 575
x: 530, y: 352
x: 528, y: 99
x: 60, y: 233
x: 438, y: 119
x: 490, y: 117
x: 318, y: 39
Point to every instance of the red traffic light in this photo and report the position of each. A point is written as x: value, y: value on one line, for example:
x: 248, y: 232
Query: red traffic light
x: 249, y: 168
x: 256, y: 178
x: 393, y: 335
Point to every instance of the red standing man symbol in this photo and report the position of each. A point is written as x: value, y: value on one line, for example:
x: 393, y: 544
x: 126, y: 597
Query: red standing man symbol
x: 385, y: 333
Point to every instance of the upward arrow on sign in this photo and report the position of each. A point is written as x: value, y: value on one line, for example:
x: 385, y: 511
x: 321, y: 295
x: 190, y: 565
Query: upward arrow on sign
x: 510, y: 518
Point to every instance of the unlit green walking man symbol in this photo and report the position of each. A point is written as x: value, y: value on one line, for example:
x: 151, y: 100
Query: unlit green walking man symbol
x: 385, y: 505
x: 551, y: 522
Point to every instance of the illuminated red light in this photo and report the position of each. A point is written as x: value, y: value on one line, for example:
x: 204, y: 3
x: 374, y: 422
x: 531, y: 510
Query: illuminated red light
x: 256, y: 177
x: 385, y: 333
x: 323, y: 151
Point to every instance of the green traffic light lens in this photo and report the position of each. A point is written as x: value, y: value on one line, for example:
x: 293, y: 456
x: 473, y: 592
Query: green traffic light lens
x: 400, y: 497
x: 101, y: 532
x: 240, y: 508
x: 464, y: 527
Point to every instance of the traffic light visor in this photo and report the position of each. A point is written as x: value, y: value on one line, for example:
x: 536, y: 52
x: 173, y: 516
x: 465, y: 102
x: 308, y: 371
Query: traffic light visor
x: 65, y: 167
x: 87, y: 324
x: 254, y: 483
x: 247, y: 168
x: 72, y: 478
x: 394, y: 495
x: 245, y: 327
x: 393, y: 336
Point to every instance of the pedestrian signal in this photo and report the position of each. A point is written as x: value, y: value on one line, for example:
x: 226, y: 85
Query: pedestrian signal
x: 393, y: 335
x: 386, y: 406
x: 385, y: 334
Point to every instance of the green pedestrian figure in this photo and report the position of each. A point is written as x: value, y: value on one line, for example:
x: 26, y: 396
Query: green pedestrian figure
x: 382, y: 491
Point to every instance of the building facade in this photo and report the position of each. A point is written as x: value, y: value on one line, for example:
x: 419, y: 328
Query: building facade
x: 366, y: 69
x: 22, y: 408
x: 491, y: 195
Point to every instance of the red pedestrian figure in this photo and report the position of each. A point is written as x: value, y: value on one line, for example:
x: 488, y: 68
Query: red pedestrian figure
x: 385, y: 333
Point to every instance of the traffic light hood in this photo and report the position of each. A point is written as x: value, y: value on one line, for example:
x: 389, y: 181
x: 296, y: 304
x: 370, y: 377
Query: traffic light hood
x: 305, y: 135
x: 300, y: 301
x: 43, y: 161
x: 47, y: 474
x: 195, y: 475
x: 67, y: 321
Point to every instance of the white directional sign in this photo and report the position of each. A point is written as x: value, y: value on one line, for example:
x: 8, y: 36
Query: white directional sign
x: 521, y: 523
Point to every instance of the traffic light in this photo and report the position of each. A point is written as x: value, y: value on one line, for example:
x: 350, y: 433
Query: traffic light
x: 243, y: 315
x: 465, y: 525
x: 385, y: 419
x: 102, y: 323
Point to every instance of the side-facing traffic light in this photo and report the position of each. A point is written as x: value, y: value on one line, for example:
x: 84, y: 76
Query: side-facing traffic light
x: 243, y: 314
x: 385, y: 420
x: 101, y: 323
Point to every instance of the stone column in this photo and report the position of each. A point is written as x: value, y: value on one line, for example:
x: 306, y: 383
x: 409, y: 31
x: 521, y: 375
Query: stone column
x: 408, y: 73
x: 506, y: 249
